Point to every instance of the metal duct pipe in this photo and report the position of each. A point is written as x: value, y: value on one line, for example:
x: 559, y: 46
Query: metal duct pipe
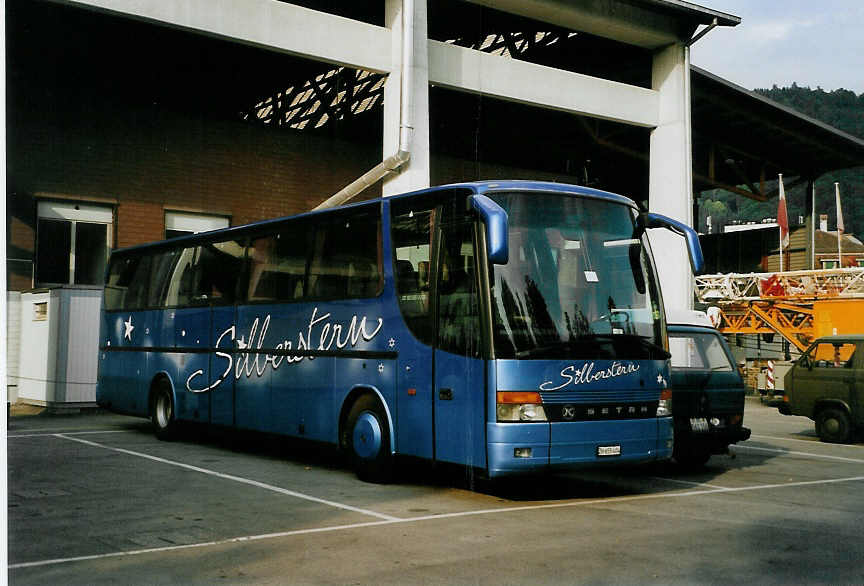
x: 393, y: 163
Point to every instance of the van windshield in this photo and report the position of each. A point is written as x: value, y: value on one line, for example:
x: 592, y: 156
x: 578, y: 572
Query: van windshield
x: 698, y: 351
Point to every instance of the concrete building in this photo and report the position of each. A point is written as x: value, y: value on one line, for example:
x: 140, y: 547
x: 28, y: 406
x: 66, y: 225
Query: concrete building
x: 129, y: 120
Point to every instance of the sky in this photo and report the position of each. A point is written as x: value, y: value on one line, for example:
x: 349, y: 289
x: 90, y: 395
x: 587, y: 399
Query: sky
x: 812, y: 43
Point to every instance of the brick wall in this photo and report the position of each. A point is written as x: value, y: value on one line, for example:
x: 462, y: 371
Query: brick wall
x: 247, y: 172
x: 150, y: 163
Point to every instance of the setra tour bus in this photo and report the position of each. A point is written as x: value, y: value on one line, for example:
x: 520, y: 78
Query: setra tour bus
x: 510, y: 327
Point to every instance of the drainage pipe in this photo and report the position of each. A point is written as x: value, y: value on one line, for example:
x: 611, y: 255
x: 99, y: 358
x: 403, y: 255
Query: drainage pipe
x: 393, y: 163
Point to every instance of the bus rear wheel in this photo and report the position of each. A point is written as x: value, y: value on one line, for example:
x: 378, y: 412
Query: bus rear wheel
x: 162, y: 412
x: 367, y: 439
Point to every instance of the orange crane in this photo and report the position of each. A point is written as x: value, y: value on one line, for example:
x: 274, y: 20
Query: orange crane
x: 797, y: 305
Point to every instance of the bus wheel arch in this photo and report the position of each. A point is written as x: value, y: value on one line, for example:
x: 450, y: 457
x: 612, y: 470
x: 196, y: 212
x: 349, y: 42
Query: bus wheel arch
x: 365, y: 435
x: 162, y: 409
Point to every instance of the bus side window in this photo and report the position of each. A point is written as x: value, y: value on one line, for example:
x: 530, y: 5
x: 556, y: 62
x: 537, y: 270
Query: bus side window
x: 120, y: 276
x: 136, y: 298
x: 183, y: 282
x: 277, y: 264
x: 412, y: 237
x: 163, y: 262
x: 221, y: 267
x: 127, y: 283
x: 346, y: 261
x: 458, y: 312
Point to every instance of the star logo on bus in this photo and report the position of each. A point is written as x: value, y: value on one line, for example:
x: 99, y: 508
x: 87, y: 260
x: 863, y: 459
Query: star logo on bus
x: 129, y: 327
x: 391, y: 343
x: 661, y: 380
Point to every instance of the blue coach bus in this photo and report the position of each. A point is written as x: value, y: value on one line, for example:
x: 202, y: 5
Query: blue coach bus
x: 509, y: 326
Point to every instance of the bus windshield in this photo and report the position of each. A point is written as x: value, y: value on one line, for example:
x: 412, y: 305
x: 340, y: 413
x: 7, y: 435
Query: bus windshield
x: 579, y: 282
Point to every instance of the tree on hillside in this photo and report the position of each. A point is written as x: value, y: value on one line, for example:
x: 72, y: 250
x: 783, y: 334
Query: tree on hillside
x: 842, y: 109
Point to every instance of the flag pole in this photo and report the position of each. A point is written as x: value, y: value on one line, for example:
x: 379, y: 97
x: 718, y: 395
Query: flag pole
x: 781, y: 217
x: 839, y: 226
x: 813, y: 225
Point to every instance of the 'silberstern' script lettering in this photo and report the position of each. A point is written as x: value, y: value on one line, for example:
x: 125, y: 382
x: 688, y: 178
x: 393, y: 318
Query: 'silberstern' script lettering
x: 571, y: 375
x: 321, y: 329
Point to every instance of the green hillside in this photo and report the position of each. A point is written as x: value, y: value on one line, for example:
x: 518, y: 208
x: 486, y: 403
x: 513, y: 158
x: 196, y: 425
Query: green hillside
x: 841, y: 109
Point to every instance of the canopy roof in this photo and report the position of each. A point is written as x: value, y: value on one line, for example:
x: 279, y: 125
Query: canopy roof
x: 741, y: 138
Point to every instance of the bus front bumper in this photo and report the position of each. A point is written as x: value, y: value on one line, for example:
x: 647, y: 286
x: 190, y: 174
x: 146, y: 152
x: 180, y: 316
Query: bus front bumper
x: 524, y: 448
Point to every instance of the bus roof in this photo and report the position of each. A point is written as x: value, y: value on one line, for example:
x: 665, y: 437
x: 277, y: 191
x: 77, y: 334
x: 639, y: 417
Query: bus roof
x: 525, y: 185
x: 478, y: 187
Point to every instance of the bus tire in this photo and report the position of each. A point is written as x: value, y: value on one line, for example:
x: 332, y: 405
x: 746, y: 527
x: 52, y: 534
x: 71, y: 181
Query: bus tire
x: 162, y: 412
x: 833, y: 426
x: 367, y: 439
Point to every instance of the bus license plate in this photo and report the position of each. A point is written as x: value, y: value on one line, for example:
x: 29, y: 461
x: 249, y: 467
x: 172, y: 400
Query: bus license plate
x: 608, y: 451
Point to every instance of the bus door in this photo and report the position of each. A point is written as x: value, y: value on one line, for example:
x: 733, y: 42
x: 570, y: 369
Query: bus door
x: 459, y: 379
x: 223, y: 332
x: 223, y: 268
x: 202, y: 289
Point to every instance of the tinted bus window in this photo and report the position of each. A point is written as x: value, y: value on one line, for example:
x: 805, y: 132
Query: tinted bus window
x: 346, y: 259
x: 206, y: 274
x: 128, y: 278
x: 277, y: 265
x: 412, y: 245
x: 163, y: 262
x: 458, y: 312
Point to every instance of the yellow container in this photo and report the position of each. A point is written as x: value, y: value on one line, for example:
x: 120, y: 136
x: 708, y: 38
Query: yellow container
x: 838, y: 317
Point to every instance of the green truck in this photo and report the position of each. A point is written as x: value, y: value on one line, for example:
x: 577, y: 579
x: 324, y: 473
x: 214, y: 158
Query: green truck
x: 825, y: 384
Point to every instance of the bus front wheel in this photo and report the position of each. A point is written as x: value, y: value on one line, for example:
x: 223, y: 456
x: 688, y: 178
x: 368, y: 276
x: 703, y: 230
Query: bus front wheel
x: 162, y: 412
x: 367, y: 438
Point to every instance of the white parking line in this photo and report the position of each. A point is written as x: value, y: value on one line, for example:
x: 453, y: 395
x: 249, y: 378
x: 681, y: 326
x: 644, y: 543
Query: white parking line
x: 239, y: 479
x: 54, y: 434
x: 807, y: 454
x: 687, y: 482
x: 815, y: 440
x: 394, y: 521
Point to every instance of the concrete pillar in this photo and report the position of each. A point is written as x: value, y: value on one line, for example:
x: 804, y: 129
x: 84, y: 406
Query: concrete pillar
x: 415, y: 174
x: 670, y: 187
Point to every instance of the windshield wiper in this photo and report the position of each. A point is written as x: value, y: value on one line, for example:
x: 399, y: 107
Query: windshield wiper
x: 565, y: 349
x: 589, y: 346
x: 631, y: 340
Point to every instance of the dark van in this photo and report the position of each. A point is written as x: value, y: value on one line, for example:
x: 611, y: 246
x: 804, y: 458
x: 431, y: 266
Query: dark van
x: 825, y: 384
x: 707, y: 390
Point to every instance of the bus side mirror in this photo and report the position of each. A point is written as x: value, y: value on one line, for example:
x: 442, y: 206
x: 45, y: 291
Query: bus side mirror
x: 697, y: 261
x: 494, y: 218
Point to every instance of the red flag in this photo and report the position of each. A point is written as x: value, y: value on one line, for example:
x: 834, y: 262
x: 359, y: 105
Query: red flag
x: 782, y: 219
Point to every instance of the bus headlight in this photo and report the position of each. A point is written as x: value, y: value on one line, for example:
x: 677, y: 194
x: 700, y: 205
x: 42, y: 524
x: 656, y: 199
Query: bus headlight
x: 519, y: 406
x: 664, y: 407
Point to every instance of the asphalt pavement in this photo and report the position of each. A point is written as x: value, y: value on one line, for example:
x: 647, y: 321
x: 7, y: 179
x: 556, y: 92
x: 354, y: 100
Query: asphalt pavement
x: 97, y: 499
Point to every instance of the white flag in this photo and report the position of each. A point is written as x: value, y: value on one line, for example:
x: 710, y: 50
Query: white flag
x: 840, y: 228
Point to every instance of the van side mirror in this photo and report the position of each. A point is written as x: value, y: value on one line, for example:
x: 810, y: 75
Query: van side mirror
x: 494, y: 219
x: 697, y: 260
